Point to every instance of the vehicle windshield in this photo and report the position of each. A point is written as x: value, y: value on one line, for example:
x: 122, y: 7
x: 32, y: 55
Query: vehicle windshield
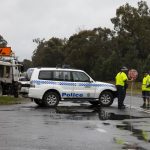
x: 29, y: 73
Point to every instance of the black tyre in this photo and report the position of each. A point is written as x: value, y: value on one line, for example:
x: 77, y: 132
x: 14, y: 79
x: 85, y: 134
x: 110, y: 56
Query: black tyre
x: 106, y: 98
x: 39, y: 102
x: 1, y: 90
x: 94, y: 102
x: 15, y: 89
x: 16, y: 94
x: 51, y: 99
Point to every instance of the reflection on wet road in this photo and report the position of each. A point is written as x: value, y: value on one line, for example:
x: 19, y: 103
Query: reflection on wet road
x: 72, y: 126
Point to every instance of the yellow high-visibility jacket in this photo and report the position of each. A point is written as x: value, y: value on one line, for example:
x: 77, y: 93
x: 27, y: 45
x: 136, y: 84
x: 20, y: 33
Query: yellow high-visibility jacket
x: 121, y: 77
x: 145, y: 82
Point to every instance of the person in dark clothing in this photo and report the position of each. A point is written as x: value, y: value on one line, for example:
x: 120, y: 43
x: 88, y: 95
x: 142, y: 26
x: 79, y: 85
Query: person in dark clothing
x: 121, y: 84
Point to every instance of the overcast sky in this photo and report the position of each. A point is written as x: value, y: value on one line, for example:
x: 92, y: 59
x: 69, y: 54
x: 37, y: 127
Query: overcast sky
x: 21, y: 21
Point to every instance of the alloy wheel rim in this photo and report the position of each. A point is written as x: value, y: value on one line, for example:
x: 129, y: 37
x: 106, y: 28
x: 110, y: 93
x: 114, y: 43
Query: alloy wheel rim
x: 105, y: 99
x: 51, y: 100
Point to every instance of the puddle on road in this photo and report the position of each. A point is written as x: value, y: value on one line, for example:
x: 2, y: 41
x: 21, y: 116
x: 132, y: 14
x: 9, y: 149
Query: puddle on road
x: 90, y: 113
x: 98, y: 113
x: 76, y: 113
x: 140, y: 134
x: 86, y: 112
x: 82, y: 113
x: 103, y: 115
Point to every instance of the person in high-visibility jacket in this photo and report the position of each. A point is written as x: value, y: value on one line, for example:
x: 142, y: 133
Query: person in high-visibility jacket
x: 146, y: 90
x: 121, y: 84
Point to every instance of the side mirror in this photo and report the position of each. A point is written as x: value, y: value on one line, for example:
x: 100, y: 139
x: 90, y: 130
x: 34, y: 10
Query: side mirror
x: 91, y: 81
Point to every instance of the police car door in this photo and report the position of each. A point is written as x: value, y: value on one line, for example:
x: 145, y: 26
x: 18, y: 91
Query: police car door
x: 64, y: 83
x: 83, y: 87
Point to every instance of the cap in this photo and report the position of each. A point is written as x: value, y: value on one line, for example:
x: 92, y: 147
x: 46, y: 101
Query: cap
x: 124, y: 68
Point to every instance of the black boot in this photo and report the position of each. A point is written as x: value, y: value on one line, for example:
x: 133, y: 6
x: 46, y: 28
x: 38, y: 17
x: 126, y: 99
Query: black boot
x: 144, y: 105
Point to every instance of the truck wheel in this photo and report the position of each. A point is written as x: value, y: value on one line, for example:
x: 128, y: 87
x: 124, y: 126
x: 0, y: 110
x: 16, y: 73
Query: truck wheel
x: 39, y: 102
x: 1, y: 90
x: 15, y: 89
x: 51, y: 99
x: 106, y: 98
x: 16, y: 94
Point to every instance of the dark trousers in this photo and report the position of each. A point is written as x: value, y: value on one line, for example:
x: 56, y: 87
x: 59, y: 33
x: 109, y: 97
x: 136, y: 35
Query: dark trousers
x: 121, y: 93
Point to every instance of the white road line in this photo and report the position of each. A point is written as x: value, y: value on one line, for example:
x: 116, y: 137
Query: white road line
x: 101, y: 130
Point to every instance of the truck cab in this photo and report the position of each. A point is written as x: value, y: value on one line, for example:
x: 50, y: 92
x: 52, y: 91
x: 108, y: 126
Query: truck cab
x: 9, y: 76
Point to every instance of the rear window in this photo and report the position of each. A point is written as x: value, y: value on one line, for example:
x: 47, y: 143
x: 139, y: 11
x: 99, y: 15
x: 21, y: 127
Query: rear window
x: 46, y: 75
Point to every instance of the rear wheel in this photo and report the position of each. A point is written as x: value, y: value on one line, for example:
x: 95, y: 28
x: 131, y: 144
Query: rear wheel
x: 106, y: 98
x: 51, y: 99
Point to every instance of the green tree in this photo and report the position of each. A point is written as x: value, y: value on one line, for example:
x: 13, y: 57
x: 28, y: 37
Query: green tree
x: 3, y: 42
x: 27, y: 64
x: 48, y: 53
x: 101, y: 51
x: 83, y: 49
x: 132, y: 26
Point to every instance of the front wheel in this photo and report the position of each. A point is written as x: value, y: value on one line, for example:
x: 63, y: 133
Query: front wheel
x: 106, y: 98
x: 51, y: 99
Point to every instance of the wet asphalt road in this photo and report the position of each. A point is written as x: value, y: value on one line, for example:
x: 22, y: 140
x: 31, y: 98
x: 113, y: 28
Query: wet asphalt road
x: 75, y: 126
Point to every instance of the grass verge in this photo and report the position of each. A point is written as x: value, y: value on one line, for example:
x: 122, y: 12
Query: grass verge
x: 135, y: 87
x: 7, y: 100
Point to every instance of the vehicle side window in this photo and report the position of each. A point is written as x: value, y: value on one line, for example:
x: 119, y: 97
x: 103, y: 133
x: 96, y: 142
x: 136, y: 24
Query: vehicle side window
x: 67, y: 76
x: 58, y: 76
x: 62, y: 76
x: 80, y: 77
x: 45, y: 75
x: 7, y: 73
x: 1, y: 71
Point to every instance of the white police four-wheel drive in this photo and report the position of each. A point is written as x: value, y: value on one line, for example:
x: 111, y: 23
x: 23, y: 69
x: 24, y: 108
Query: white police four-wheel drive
x: 48, y: 86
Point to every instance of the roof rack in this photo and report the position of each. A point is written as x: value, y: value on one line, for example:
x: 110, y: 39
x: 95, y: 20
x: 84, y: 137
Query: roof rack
x: 63, y: 66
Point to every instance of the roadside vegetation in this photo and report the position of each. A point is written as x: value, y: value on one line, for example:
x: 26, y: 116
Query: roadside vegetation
x: 101, y: 52
x: 135, y: 89
x: 7, y: 100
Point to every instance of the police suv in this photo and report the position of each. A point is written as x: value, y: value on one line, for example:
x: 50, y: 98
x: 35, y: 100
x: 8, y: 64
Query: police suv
x: 48, y: 86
